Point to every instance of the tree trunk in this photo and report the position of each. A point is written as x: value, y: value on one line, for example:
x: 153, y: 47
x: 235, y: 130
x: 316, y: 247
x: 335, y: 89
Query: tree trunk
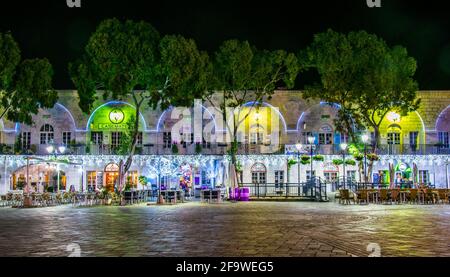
x: 126, y: 167
x: 375, y: 144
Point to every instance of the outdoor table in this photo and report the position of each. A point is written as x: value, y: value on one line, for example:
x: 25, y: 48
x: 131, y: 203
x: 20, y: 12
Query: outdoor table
x: 177, y: 193
x: 374, y: 195
x: 208, y: 194
x: 404, y: 195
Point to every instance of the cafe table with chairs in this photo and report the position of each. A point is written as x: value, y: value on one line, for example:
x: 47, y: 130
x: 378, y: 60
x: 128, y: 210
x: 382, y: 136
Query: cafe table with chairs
x: 421, y: 195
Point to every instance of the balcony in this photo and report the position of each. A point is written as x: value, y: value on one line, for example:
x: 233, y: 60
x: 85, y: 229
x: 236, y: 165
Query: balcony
x: 223, y: 149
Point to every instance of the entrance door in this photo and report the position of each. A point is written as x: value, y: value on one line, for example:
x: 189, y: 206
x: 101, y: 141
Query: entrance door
x: 111, y: 176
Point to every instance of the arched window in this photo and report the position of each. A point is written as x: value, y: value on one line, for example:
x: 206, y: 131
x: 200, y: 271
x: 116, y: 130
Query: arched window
x: 112, y: 167
x: 47, y: 134
x: 259, y: 173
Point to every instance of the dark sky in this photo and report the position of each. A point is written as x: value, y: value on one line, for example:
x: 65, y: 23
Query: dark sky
x: 50, y: 29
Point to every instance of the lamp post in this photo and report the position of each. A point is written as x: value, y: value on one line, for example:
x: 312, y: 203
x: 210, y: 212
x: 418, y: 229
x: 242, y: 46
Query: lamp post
x: 55, y: 151
x: 344, y: 147
x: 311, y: 141
x: 299, y: 147
x: 365, y: 139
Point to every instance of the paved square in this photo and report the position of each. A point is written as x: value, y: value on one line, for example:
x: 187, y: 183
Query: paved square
x: 230, y: 229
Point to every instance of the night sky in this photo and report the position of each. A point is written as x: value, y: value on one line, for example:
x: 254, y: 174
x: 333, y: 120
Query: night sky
x: 50, y: 29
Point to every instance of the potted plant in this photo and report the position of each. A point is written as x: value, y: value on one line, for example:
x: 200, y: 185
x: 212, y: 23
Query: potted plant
x: 88, y: 149
x: 305, y: 160
x: 373, y: 157
x: 143, y: 181
x: 175, y: 149
x: 20, y: 185
x: 319, y: 158
x: 198, y: 148
x: 350, y: 162
x: 338, y: 162
x: 291, y: 163
x: 33, y: 149
x: 359, y: 157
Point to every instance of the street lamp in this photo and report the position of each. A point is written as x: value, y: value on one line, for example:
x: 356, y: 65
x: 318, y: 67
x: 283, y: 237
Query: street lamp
x: 55, y: 151
x: 299, y: 147
x: 365, y: 139
x: 344, y: 147
x: 311, y: 141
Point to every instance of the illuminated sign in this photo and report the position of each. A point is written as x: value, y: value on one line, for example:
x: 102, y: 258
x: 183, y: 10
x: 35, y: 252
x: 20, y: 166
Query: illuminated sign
x: 393, y: 117
x: 116, y: 116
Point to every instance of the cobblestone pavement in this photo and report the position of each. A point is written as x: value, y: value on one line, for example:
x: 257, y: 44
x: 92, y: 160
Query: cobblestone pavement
x: 230, y: 229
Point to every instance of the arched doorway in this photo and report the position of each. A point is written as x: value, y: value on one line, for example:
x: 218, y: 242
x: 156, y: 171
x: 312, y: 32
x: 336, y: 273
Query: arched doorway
x: 259, y: 174
x: 43, y: 177
x: 111, y: 176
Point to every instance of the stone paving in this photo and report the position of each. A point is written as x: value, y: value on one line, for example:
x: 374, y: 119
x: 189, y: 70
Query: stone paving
x: 231, y: 229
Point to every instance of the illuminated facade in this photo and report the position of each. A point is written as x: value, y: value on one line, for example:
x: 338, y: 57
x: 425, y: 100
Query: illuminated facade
x: 418, y: 142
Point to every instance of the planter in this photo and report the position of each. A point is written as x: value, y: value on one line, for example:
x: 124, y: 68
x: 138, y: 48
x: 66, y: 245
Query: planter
x: 240, y: 194
x: 244, y: 194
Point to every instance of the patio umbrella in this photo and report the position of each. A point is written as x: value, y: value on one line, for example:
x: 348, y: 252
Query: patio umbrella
x: 415, y: 174
x: 391, y: 175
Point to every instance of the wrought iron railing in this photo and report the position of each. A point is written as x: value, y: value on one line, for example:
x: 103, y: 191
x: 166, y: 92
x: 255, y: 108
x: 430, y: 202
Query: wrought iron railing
x: 315, y: 190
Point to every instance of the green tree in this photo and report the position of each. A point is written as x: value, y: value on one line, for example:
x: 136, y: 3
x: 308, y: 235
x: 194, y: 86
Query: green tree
x: 25, y: 85
x: 242, y: 74
x: 130, y: 60
x: 365, y: 76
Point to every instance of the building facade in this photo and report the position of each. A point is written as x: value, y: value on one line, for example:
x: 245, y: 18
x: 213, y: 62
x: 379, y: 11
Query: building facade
x: 191, y: 144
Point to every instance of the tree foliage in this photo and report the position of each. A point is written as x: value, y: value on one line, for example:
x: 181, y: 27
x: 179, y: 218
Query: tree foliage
x: 25, y: 85
x: 130, y: 60
x: 242, y: 73
x: 362, y: 74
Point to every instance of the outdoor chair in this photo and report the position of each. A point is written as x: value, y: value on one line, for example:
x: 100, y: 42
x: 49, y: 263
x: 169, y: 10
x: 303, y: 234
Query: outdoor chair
x: 395, y: 196
x: 172, y: 197
x: 363, y: 197
x: 384, y: 197
x: 215, y: 196
x: 3, y: 202
x: 414, y: 196
x: 345, y: 197
x: 206, y: 196
x: 442, y: 196
x: 128, y: 197
x: 430, y: 196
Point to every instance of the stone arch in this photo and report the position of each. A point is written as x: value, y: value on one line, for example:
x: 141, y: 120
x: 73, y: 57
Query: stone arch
x: 443, y: 121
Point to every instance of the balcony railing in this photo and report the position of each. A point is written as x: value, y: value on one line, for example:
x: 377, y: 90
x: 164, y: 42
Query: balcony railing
x: 223, y: 149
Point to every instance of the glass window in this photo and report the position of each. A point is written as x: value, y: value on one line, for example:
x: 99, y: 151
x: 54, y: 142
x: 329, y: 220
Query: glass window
x: 167, y: 140
x: 351, y: 175
x: 116, y: 139
x: 26, y: 140
x: 308, y: 175
x: 424, y: 177
x: 97, y: 138
x: 47, y: 134
x: 140, y: 139
x: 444, y: 139
x: 67, y: 138
x: 413, y: 138
x: 393, y: 139
x: 306, y: 135
x: 325, y: 138
x: 279, y: 178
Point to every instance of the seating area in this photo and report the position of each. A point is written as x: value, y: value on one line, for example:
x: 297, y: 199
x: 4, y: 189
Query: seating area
x: 423, y: 196
x: 87, y: 199
x: 212, y: 196
x: 37, y: 199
